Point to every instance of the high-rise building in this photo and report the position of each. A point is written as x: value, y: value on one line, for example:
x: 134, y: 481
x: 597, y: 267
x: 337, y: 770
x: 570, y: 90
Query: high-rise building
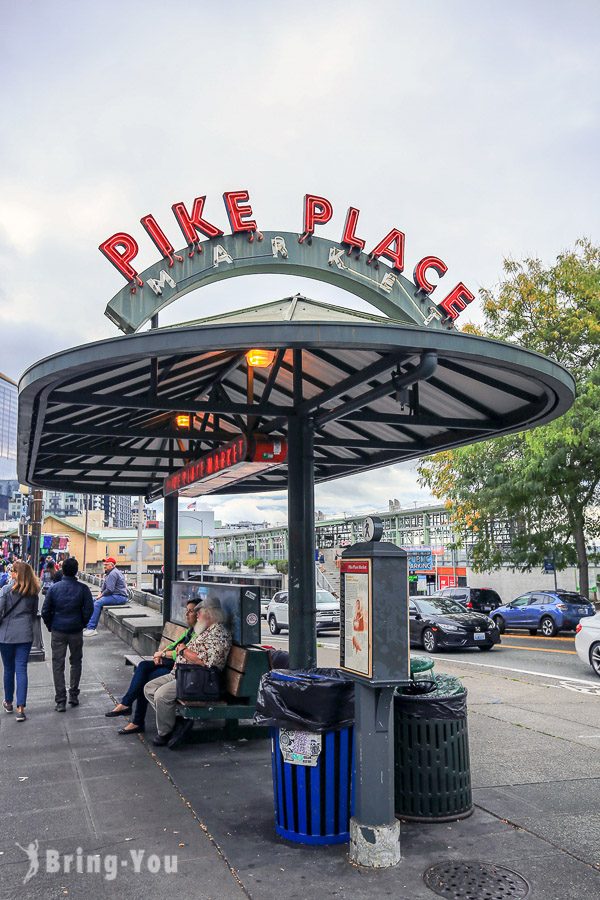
x: 8, y: 442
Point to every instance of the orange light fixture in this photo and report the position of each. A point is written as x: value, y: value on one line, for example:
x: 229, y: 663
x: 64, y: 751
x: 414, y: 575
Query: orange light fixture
x: 260, y: 359
x: 182, y: 420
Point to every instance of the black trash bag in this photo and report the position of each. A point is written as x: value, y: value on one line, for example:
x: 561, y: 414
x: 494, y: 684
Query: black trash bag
x: 316, y: 700
x: 448, y: 700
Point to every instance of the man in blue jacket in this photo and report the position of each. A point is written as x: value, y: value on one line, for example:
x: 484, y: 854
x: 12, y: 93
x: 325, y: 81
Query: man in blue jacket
x: 67, y: 607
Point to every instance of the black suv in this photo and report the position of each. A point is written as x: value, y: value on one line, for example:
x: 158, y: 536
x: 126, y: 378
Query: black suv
x: 480, y: 599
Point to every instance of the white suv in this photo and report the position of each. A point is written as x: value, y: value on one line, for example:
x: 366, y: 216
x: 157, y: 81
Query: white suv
x: 328, y: 612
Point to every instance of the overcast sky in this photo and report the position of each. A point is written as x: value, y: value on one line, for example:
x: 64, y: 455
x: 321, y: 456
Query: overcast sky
x: 471, y: 126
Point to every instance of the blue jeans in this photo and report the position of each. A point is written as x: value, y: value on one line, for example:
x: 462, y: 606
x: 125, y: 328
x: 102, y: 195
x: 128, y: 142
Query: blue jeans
x: 110, y: 600
x: 146, y: 671
x: 14, y: 660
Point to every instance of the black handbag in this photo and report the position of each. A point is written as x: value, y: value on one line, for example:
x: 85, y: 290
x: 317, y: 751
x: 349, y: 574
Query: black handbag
x: 195, y: 682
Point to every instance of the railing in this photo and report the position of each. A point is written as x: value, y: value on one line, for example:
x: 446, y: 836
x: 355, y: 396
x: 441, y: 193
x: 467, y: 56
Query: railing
x: 322, y: 581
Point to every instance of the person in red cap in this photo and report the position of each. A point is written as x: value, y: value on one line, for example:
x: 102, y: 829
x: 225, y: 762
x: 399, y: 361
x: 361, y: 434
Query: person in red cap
x: 113, y: 592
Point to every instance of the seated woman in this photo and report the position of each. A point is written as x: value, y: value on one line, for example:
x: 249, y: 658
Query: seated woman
x: 161, y: 664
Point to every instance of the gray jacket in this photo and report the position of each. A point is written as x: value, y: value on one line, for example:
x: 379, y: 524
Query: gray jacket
x: 17, y: 626
x: 114, y: 583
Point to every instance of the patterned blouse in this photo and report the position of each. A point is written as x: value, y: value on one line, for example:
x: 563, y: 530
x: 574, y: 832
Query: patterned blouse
x: 212, y: 646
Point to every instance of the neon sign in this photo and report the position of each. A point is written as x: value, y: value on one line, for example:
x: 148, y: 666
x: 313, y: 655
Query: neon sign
x: 226, y: 465
x: 121, y: 248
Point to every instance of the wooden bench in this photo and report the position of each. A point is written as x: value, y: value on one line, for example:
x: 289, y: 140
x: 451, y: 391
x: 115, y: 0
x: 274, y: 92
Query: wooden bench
x: 171, y: 632
x: 244, y: 668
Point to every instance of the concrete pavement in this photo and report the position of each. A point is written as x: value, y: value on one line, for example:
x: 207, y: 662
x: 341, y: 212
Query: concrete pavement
x: 69, y: 781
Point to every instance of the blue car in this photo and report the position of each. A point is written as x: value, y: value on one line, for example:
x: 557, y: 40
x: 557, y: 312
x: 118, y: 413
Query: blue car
x: 545, y: 611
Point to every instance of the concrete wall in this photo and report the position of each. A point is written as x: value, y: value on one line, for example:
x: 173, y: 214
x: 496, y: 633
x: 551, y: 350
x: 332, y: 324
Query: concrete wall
x: 509, y: 584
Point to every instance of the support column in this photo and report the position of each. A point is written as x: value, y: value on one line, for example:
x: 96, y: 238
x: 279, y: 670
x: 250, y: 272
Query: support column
x: 171, y: 533
x: 374, y: 829
x: 301, y: 538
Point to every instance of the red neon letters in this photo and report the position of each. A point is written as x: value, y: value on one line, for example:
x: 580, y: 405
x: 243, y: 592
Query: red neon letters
x: 120, y: 249
x: 317, y: 211
x: 392, y: 246
x: 349, y: 236
x: 194, y: 223
x: 457, y: 300
x: 420, y: 272
x: 236, y: 213
x: 158, y: 236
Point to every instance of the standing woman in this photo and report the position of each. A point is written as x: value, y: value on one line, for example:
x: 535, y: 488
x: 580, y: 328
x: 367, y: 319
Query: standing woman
x: 18, y: 609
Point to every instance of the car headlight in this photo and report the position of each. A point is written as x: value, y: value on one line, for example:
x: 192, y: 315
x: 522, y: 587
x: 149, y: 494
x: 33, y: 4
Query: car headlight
x: 445, y: 627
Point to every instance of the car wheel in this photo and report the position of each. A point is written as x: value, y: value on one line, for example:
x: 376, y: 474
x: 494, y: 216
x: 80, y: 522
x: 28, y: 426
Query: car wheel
x: 485, y: 647
x: 548, y: 627
x: 595, y: 658
x: 429, y: 641
x: 499, y: 623
x: 273, y: 626
x: 533, y: 631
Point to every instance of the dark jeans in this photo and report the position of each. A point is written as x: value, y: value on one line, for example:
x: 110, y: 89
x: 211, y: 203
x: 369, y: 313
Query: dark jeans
x: 146, y: 671
x: 14, y: 660
x: 61, y: 641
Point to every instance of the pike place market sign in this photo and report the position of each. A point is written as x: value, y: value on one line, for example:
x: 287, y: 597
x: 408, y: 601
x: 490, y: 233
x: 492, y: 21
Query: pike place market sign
x: 211, y: 255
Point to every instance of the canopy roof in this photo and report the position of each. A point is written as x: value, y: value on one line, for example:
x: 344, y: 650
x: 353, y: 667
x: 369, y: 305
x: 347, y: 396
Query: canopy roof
x: 101, y: 418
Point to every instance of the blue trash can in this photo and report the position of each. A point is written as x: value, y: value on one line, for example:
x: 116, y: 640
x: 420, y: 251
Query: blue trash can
x: 314, y: 802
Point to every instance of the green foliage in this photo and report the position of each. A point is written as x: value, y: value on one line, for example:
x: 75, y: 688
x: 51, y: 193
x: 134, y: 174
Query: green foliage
x: 233, y: 564
x: 281, y: 566
x: 255, y: 563
x: 544, y: 482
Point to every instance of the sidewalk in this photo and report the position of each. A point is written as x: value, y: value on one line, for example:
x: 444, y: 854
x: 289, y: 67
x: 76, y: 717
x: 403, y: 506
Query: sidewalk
x: 69, y: 781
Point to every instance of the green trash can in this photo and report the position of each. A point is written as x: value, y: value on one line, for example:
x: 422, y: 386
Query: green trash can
x: 432, y: 774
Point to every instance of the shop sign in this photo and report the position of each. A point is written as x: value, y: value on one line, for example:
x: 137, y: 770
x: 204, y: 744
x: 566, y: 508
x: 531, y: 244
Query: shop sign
x: 202, y: 234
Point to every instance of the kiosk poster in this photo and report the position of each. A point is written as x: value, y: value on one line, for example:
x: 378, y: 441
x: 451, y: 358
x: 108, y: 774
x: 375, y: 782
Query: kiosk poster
x: 356, y: 616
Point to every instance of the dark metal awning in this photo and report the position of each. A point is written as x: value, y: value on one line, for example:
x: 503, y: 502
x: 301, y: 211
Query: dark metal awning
x: 101, y: 418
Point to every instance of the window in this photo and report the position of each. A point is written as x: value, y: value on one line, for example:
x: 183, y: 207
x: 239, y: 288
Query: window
x: 193, y: 548
x: 520, y: 601
x: 121, y: 549
x: 156, y: 548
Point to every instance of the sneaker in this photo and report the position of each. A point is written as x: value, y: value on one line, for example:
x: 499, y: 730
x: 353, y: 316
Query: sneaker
x: 89, y: 632
x: 6, y: 706
x: 20, y: 717
x: 73, y: 701
x: 61, y: 707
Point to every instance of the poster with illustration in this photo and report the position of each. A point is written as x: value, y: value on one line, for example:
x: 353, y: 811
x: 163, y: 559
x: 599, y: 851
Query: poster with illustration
x: 356, y: 616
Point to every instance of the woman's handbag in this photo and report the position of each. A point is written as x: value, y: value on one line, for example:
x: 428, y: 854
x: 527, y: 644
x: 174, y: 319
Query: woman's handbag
x: 196, y: 682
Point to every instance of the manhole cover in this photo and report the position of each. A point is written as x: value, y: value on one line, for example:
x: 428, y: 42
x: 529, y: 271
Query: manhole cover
x: 475, y: 881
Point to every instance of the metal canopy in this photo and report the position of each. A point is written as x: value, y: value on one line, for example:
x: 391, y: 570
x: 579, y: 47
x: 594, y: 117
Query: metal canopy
x: 101, y: 418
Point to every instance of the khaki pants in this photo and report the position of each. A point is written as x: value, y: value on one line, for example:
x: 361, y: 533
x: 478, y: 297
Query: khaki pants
x: 162, y: 694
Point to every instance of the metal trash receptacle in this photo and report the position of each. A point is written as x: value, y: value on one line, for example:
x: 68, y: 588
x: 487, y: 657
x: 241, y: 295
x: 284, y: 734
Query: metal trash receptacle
x: 432, y: 773
x: 313, y: 785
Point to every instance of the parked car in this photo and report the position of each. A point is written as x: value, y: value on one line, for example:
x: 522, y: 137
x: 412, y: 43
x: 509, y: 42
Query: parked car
x: 328, y: 612
x: 480, y: 599
x: 545, y: 611
x: 438, y: 623
x: 587, y: 642
x: 264, y: 606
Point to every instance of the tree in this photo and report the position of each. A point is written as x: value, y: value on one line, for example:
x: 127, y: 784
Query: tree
x: 542, y: 484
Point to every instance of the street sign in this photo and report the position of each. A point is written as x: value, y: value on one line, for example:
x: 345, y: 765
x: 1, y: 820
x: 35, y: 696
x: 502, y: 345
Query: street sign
x: 549, y: 564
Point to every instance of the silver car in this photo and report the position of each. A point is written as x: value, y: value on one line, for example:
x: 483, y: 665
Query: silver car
x: 328, y: 612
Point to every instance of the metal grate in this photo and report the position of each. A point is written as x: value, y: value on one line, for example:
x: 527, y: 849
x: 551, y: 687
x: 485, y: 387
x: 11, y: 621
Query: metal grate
x: 475, y: 881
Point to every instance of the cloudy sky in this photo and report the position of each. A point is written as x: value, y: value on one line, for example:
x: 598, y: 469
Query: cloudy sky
x: 472, y: 126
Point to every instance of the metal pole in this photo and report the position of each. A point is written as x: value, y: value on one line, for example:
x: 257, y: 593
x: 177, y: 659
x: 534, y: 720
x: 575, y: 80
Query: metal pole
x: 301, y: 529
x: 139, y: 550
x: 36, y: 529
x: 202, y: 551
x: 85, y: 532
x: 170, y: 551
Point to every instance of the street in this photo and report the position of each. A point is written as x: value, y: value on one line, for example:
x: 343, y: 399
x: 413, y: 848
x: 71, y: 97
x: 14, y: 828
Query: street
x: 553, y: 657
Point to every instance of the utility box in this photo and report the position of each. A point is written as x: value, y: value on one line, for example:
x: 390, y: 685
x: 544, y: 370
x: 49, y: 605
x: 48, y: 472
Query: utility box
x: 374, y: 630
